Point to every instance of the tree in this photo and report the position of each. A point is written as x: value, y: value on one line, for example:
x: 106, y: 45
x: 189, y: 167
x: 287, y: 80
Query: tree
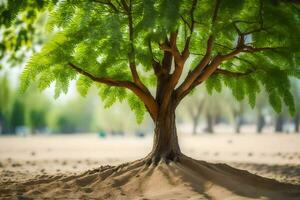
x: 207, y: 105
x: 37, y: 108
x: 4, y: 103
x: 296, y: 89
x: 261, y: 105
x: 18, y: 115
x: 74, y: 116
x: 137, y: 50
x: 226, y: 39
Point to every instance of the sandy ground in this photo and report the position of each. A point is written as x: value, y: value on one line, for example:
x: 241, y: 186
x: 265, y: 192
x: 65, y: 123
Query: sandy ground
x: 275, y: 156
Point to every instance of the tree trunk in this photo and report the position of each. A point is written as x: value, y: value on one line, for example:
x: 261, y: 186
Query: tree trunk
x: 238, y: 124
x: 165, y: 144
x: 210, y: 123
x: 279, y: 124
x: 297, y: 122
x: 260, y: 123
x: 195, y: 125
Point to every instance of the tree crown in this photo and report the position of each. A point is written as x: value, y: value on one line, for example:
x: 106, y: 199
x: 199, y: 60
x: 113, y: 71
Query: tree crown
x: 132, y: 49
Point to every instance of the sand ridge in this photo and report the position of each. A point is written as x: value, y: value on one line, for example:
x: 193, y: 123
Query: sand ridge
x: 187, y: 179
x: 56, y: 167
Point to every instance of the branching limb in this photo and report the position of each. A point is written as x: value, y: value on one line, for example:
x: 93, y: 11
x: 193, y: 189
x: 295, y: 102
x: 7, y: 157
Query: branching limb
x: 146, y: 98
x: 170, y: 46
x: 185, y: 52
x: 193, y: 75
x: 131, y: 54
x: 155, y: 64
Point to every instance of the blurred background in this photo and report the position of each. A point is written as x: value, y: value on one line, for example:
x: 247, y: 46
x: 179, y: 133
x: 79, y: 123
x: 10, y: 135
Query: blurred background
x: 38, y: 112
x: 40, y: 134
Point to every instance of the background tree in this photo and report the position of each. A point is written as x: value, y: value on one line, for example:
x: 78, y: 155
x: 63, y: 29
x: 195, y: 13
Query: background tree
x: 37, y: 107
x: 137, y: 50
x: 261, y: 105
x: 17, y: 116
x: 296, y: 92
x: 4, y: 103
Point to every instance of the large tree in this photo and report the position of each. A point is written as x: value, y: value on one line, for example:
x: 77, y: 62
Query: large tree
x: 137, y: 50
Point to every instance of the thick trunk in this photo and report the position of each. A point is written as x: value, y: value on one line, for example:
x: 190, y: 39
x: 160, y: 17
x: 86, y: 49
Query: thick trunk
x: 165, y: 144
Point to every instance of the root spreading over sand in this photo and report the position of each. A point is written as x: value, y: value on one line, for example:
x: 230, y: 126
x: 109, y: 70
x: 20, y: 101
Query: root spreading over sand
x: 184, y: 179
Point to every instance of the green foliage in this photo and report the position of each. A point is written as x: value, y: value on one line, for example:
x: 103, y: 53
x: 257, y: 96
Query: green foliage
x: 95, y: 37
x: 213, y: 83
x: 20, y: 28
x: 83, y: 85
x: 137, y: 107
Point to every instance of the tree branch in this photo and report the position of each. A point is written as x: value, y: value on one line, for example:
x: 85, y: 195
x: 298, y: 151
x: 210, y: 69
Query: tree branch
x: 146, y: 98
x: 185, y: 52
x: 131, y: 54
x: 192, y: 76
x: 233, y: 74
x: 155, y: 64
x: 108, y: 3
x: 171, y: 46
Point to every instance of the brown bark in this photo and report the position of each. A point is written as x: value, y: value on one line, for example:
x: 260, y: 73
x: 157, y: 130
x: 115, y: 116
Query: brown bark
x: 165, y: 143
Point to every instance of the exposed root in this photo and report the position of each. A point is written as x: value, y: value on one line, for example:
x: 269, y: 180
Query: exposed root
x: 175, y: 172
x: 155, y: 158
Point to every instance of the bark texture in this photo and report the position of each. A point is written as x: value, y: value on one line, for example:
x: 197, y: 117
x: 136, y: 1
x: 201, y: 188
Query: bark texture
x: 165, y: 144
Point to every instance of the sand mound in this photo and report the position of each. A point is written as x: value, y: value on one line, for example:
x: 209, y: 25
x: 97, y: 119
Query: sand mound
x: 187, y: 179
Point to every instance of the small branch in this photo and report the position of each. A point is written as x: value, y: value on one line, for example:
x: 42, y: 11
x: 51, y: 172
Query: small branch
x: 171, y: 46
x: 108, y: 3
x: 258, y: 49
x: 185, y: 53
x: 244, y: 60
x: 216, y: 10
x: 105, y: 80
x: 186, y: 22
x: 131, y: 54
x: 233, y: 74
x: 125, y: 6
x: 224, y: 46
x: 155, y: 64
x: 192, y: 76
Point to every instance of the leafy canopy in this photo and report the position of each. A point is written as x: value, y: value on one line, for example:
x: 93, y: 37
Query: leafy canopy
x: 123, y: 44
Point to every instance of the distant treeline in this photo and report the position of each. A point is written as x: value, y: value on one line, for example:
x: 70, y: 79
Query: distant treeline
x: 33, y: 112
x: 222, y: 108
